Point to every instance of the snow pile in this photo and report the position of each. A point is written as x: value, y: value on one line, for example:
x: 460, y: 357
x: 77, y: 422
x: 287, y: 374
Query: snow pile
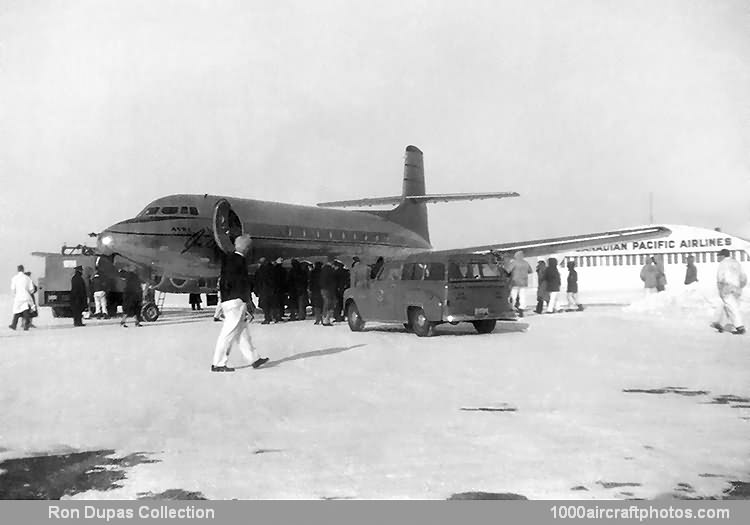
x: 684, y: 302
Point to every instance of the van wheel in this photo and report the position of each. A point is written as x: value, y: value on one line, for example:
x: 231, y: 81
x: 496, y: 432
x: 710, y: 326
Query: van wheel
x: 150, y: 312
x: 356, y: 323
x: 484, y: 326
x: 420, y: 324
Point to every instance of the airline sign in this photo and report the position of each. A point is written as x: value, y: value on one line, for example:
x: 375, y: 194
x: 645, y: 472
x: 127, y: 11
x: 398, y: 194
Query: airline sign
x: 665, y: 244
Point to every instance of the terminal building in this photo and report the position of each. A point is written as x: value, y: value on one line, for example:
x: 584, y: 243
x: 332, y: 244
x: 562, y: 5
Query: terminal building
x: 611, y: 273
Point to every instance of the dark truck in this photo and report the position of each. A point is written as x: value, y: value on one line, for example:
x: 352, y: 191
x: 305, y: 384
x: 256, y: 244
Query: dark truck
x: 424, y: 290
x: 54, y: 286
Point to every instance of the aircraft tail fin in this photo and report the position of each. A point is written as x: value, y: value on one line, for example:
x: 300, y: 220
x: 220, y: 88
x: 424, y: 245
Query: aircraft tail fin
x: 411, y: 206
x: 412, y: 213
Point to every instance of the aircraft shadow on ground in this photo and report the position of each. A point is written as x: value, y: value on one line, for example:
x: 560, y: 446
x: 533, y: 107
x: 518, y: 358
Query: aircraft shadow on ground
x: 307, y: 355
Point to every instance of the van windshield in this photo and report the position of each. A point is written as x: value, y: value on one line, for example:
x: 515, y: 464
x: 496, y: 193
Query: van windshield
x: 458, y: 271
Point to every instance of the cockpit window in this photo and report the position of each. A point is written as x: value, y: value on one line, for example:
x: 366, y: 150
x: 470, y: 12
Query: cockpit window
x: 169, y: 210
x: 193, y: 210
x: 184, y: 210
x: 151, y: 211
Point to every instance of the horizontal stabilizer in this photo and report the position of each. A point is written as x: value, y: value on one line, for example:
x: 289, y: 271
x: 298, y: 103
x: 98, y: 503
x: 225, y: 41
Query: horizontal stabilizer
x: 426, y: 199
x: 564, y: 244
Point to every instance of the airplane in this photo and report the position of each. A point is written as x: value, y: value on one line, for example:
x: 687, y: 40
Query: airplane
x: 181, y: 238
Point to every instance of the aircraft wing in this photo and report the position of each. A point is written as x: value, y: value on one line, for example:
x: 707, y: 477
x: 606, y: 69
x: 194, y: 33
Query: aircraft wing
x: 564, y: 244
x: 432, y: 198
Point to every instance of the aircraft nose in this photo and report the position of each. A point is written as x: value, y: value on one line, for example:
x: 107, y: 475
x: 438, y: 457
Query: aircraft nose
x: 105, y: 243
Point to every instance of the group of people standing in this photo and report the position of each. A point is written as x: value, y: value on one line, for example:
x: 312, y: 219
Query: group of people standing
x: 320, y: 285
x: 548, y: 285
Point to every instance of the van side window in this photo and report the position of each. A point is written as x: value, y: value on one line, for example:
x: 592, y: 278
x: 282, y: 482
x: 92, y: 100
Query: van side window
x: 435, y: 272
x: 408, y: 272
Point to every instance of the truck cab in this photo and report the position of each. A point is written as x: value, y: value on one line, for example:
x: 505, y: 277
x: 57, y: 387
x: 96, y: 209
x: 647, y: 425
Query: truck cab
x: 424, y: 290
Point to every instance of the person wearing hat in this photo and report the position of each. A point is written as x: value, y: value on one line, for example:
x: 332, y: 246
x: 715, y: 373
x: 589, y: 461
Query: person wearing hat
x: 278, y: 289
x: 730, y: 280
x: 235, y: 296
x: 132, y: 300
x: 360, y: 274
x: 78, y: 296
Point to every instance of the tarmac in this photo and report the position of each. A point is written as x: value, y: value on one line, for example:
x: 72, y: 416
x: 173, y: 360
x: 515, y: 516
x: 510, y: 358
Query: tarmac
x: 609, y: 403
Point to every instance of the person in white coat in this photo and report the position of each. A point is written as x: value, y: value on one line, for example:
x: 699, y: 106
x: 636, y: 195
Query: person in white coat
x: 730, y: 280
x: 22, y: 288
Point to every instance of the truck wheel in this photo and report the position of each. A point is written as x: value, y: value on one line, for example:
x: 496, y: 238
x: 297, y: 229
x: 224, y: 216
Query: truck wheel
x: 420, y: 324
x: 150, y: 312
x: 356, y: 323
x: 484, y: 326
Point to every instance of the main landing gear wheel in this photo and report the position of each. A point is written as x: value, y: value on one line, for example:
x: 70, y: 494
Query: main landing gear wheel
x: 420, y: 324
x: 150, y: 312
x: 356, y: 323
x: 484, y: 326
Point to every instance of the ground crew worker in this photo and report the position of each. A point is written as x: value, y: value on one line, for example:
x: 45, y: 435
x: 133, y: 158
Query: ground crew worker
x: 342, y: 283
x: 278, y: 285
x: 730, y: 280
x: 573, y: 303
x: 360, y: 274
x: 650, y: 275
x: 22, y: 288
x: 132, y: 298
x: 552, y: 281
x: 78, y: 298
x: 519, y: 274
x: 316, y: 297
x: 328, y: 291
x: 99, y: 286
x: 235, y: 294
x: 691, y: 272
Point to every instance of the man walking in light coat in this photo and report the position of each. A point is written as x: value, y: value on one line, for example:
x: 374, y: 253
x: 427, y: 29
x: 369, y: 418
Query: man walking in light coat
x: 22, y: 289
x: 730, y: 280
x: 235, y: 289
x: 519, y: 274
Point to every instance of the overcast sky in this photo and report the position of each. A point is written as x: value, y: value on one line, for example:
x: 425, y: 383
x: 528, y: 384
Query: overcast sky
x: 583, y: 107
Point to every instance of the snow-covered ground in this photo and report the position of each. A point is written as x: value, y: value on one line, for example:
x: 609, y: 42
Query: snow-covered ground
x: 386, y: 415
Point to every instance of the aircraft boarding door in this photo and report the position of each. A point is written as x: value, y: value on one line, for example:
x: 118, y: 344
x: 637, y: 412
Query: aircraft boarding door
x: 227, y: 226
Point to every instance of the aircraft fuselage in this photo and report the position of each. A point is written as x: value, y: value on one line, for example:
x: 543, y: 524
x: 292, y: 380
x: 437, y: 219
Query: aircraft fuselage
x: 175, y: 235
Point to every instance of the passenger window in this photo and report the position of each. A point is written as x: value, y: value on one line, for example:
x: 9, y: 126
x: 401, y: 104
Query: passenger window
x: 393, y: 274
x: 713, y: 257
x: 169, y: 210
x: 193, y: 210
x: 435, y: 272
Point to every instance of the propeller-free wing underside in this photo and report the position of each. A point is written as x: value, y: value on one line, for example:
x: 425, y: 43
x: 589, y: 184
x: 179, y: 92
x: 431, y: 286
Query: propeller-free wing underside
x: 564, y: 244
x: 435, y: 197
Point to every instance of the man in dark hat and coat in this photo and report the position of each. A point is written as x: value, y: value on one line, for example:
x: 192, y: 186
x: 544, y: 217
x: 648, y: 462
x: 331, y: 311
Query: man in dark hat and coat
x: 78, y: 296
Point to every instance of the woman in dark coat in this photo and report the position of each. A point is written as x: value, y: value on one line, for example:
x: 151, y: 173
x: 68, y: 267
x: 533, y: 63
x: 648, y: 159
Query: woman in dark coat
x: 132, y: 298
x: 542, y: 295
x: 78, y: 296
x: 195, y: 301
x: 552, y: 282
x: 316, y: 298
